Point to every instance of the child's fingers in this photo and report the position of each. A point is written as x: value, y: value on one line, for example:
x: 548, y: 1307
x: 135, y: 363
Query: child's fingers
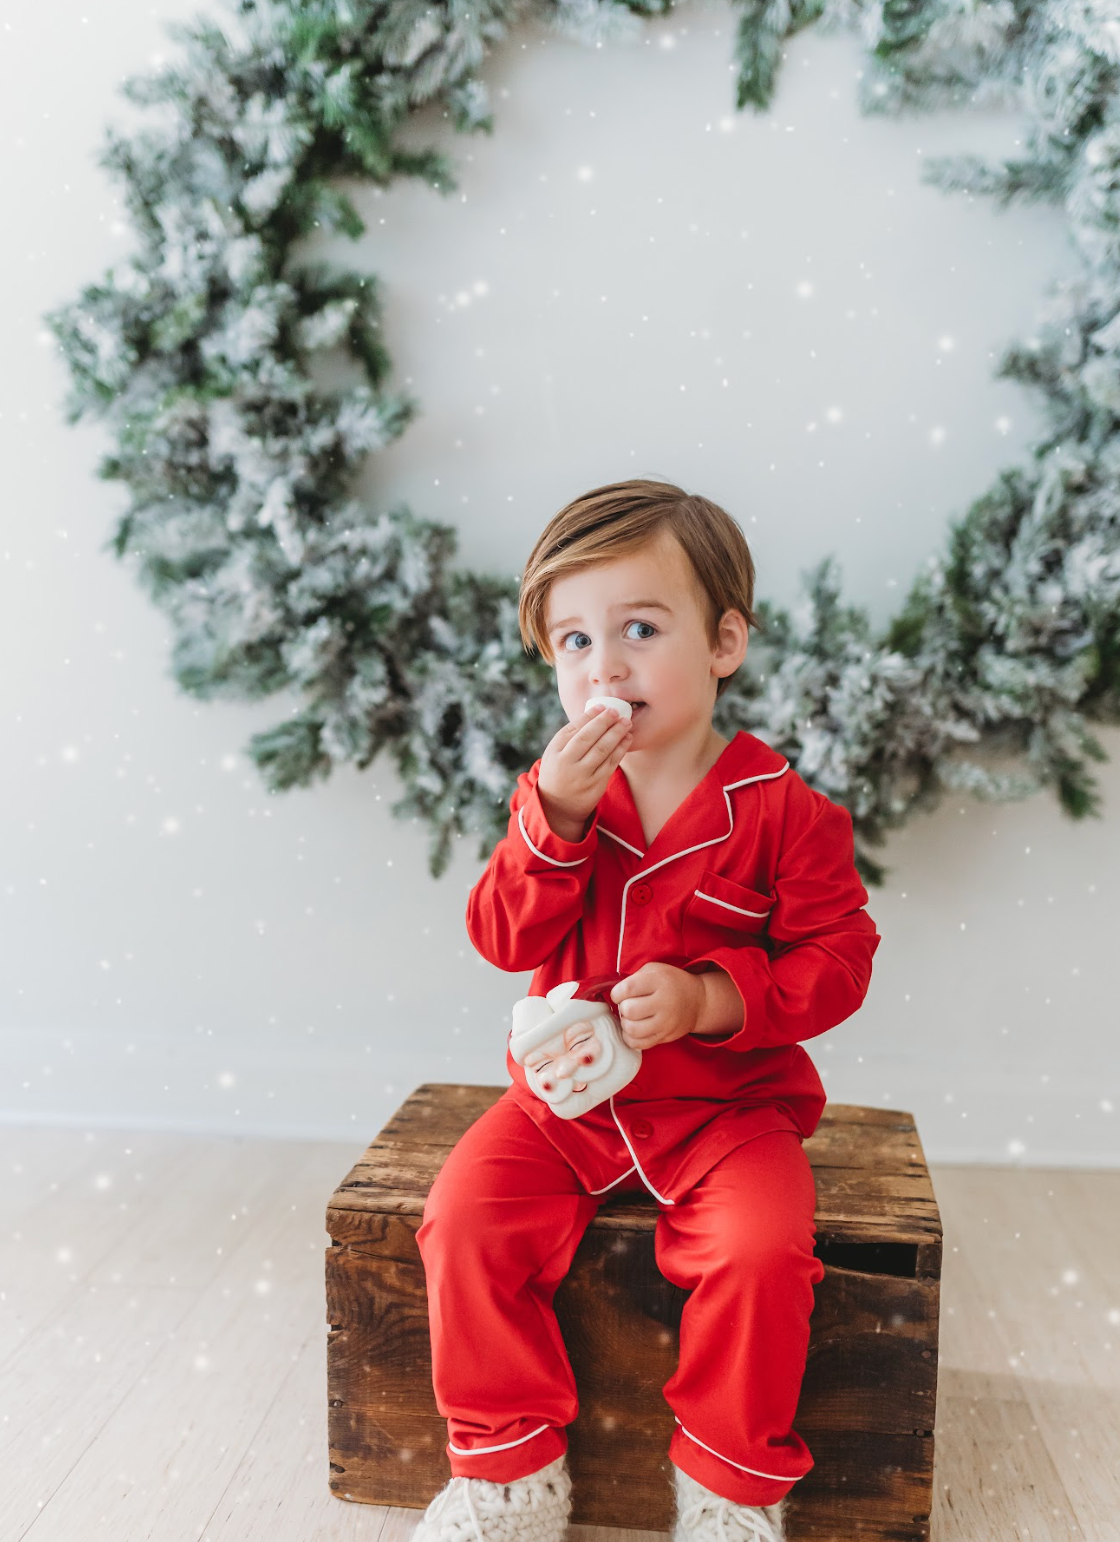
x: 615, y: 739
x: 578, y: 725
x: 594, y: 744
x: 598, y: 731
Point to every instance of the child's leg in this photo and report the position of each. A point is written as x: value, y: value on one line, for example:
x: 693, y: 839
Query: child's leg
x: 501, y: 1225
x: 741, y: 1240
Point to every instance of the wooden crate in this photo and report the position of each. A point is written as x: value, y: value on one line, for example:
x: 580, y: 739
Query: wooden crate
x: 867, y: 1400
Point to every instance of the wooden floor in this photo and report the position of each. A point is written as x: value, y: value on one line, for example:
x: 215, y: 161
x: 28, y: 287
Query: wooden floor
x: 162, y: 1347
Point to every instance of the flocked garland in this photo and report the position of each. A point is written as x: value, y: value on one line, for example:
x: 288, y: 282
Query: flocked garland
x: 196, y: 351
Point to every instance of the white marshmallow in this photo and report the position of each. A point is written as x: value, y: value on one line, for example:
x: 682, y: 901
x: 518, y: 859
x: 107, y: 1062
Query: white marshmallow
x: 621, y: 706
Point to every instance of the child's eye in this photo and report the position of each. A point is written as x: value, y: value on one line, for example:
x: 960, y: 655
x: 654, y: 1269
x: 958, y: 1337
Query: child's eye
x: 564, y: 639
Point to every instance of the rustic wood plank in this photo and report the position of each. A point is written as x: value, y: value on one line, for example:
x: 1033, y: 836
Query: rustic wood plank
x: 868, y: 1168
x: 868, y: 1400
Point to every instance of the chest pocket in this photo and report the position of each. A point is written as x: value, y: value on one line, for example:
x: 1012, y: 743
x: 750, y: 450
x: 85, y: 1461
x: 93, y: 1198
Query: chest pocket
x: 724, y: 913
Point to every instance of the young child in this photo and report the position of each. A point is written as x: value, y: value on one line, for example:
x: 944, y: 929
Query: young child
x: 721, y: 889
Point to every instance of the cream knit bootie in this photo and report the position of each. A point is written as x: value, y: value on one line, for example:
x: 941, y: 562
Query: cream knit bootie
x: 530, y: 1509
x: 706, y: 1517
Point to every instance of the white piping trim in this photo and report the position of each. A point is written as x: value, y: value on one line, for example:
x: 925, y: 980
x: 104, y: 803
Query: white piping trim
x: 762, y: 776
x: 554, y: 860
x: 728, y: 905
x: 780, y: 1476
x: 478, y: 1450
x: 612, y: 1183
x: 620, y: 841
x: 637, y: 1164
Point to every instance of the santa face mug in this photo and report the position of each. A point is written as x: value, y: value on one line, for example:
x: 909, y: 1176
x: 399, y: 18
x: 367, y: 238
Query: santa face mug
x: 571, y: 1048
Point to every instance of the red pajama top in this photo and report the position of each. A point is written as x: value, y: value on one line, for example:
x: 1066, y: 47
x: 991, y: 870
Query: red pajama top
x: 753, y: 873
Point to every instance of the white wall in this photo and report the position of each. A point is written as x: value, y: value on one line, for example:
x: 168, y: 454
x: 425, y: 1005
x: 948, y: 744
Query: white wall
x: 633, y: 279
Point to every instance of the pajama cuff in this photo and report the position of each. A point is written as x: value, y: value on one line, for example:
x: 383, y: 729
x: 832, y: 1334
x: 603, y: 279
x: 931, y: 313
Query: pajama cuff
x: 544, y: 850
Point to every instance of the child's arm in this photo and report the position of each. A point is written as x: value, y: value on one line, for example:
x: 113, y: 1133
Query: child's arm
x: 532, y: 891
x: 823, y: 940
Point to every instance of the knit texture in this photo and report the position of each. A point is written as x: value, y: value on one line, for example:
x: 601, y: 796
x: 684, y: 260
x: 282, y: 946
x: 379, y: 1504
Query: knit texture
x: 706, y: 1517
x: 530, y: 1509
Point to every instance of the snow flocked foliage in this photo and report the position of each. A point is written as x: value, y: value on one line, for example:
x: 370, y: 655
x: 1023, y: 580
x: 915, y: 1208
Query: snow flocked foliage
x: 196, y: 353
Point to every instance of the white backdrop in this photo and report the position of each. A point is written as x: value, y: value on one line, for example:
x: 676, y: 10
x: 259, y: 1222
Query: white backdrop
x: 632, y: 279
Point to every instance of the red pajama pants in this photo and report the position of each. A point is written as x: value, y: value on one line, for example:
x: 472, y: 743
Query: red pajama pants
x: 501, y: 1226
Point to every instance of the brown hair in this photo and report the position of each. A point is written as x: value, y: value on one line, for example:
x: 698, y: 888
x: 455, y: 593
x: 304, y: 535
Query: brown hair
x: 620, y: 517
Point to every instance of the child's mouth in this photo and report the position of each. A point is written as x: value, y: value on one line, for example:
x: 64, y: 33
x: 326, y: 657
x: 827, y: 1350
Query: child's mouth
x: 636, y: 707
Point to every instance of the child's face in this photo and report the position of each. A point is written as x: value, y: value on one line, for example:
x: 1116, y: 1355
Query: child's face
x: 660, y: 656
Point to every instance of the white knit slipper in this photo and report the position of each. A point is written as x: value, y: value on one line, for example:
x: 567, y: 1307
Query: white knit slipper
x: 531, y: 1509
x: 706, y: 1517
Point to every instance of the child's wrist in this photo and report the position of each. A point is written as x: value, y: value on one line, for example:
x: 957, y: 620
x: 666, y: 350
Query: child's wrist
x: 720, y: 1008
x: 564, y: 825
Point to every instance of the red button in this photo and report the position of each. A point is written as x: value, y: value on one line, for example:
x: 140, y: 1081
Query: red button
x: 641, y: 1128
x: 641, y: 894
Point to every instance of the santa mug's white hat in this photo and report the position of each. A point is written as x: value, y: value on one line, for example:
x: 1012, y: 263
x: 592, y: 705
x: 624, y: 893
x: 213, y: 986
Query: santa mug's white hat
x: 539, y: 1019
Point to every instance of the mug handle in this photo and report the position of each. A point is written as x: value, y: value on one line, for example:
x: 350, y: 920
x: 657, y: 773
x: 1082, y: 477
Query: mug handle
x: 598, y: 989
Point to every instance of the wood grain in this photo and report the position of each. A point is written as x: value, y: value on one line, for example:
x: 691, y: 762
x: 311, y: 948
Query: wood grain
x: 868, y: 1398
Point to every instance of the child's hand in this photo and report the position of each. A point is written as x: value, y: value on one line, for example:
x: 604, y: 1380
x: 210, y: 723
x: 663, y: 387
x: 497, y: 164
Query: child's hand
x: 657, y: 1004
x: 579, y: 761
